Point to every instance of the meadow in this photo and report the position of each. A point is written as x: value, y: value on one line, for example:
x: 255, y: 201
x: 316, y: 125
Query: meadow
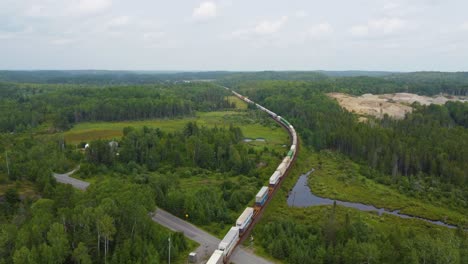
x: 273, y: 135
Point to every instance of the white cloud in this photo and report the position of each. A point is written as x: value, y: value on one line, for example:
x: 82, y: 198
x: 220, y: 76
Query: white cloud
x: 320, y: 30
x: 269, y: 27
x: 93, y: 6
x: 262, y: 28
x: 381, y: 26
x: 205, y: 10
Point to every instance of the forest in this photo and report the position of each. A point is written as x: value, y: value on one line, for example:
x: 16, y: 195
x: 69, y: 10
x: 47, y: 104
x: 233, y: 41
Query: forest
x: 27, y: 106
x: 46, y: 222
x: 429, y: 146
x: 423, y: 156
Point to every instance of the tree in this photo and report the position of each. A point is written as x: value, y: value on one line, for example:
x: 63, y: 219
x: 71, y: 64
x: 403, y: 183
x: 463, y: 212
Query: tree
x: 80, y: 254
x: 58, y: 241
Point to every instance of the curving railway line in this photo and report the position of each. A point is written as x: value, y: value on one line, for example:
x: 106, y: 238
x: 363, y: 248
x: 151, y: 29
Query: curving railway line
x: 251, y: 215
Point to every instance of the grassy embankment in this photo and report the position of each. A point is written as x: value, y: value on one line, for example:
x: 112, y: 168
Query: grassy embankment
x: 327, y: 179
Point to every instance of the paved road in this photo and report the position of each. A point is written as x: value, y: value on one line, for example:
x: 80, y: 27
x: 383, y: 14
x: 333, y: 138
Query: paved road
x: 208, y: 243
x: 65, y: 178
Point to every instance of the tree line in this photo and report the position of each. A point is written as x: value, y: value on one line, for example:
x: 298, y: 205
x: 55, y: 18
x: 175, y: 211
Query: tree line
x: 27, y: 106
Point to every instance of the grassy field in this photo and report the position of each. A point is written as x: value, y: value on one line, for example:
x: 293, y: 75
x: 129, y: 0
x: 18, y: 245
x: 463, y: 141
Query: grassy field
x: 238, y: 102
x: 274, y: 135
x: 339, y: 179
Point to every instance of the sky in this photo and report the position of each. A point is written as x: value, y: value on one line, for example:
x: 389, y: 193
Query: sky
x: 236, y: 35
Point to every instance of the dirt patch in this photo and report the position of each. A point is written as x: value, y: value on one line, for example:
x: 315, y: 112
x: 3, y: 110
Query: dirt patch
x: 394, y: 105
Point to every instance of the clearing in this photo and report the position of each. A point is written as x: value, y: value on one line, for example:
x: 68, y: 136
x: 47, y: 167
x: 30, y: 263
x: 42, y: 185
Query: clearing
x: 395, y: 105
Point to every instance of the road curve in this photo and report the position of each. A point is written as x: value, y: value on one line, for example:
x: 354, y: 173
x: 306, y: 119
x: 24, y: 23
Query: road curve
x: 208, y: 243
x: 66, y: 179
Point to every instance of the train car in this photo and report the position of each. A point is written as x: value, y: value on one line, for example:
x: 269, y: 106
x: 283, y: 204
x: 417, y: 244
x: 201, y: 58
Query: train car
x: 284, y: 165
x: 216, y: 258
x: 291, y: 127
x: 281, y: 168
x: 284, y: 121
x: 248, y: 100
x: 275, y: 178
x: 244, y: 219
x: 229, y: 241
x: 261, y: 196
x: 293, y: 147
x: 290, y: 153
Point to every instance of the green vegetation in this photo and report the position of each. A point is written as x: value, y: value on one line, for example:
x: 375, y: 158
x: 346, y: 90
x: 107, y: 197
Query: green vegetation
x: 417, y: 165
x: 339, y: 178
x: 336, y: 234
x: 28, y: 108
x: 423, y: 156
x: 181, y: 148
x: 251, y: 124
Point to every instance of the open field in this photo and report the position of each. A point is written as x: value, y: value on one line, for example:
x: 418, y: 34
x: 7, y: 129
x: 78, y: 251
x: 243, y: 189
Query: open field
x: 85, y: 132
x: 238, y: 102
x: 394, y: 105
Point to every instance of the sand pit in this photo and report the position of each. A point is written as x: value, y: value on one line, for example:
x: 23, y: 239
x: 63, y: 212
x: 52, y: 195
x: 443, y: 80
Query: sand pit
x: 394, y: 105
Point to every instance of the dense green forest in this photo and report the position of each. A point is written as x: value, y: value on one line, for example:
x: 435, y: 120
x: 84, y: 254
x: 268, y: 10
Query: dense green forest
x: 345, y: 238
x: 45, y: 222
x: 209, y: 174
x: 28, y: 106
x: 423, y: 156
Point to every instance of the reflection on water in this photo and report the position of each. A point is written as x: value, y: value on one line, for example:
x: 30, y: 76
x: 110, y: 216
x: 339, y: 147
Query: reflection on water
x: 302, y: 196
x: 257, y: 139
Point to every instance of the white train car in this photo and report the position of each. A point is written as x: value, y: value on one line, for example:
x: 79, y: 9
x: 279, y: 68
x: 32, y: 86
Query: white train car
x: 216, y: 258
x: 229, y: 241
x: 284, y: 165
x: 275, y: 178
x: 244, y: 219
x: 293, y: 147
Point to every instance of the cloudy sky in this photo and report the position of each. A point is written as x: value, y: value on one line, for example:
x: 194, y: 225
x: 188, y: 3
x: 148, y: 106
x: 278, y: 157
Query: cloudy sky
x: 402, y: 35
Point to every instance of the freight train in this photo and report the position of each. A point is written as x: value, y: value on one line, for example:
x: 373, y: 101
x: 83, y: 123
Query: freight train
x: 245, y: 220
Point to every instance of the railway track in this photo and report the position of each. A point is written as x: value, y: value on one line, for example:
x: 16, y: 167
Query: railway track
x: 244, y: 229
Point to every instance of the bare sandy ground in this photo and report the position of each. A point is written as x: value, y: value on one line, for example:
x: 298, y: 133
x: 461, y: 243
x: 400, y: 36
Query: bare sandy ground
x: 394, y: 105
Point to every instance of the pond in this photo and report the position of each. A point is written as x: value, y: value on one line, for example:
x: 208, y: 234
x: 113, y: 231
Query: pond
x: 257, y: 139
x: 302, y: 196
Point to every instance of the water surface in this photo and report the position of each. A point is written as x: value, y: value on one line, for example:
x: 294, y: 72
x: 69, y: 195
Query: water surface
x: 302, y: 196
